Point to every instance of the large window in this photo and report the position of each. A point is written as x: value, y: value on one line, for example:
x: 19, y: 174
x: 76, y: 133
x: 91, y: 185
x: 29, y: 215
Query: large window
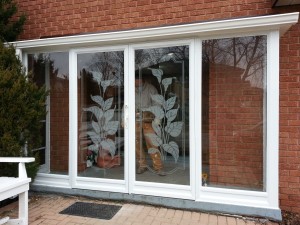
x: 52, y: 70
x: 233, y: 112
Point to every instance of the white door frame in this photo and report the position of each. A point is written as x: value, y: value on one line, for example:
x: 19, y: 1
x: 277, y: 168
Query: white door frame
x: 87, y: 182
x: 162, y: 189
x: 129, y: 184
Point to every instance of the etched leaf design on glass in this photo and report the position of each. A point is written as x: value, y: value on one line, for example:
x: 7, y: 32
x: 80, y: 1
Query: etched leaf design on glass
x: 111, y: 127
x: 156, y: 128
x: 94, y: 137
x: 157, y: 111
x: 96, y: 127
x: 166, y: 82
x: 93, y: 147
x: 155, y: 140
x: 174, y: 129
x: 171, y: 115
x: 153, y: 151
x: 105, y: 84
x: 103, y: 114
x: 157, y: 73
x: 97, y: 76
x: 108, y: 103
x: 98, y: 99
x: 109, y: 114
x: 109, y: 145
x: 98, y: 113
x: 172, y: 148
x: 158, y: 99
x: 170, y: 103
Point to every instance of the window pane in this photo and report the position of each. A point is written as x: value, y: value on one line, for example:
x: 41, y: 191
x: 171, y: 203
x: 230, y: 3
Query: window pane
x: 162, y: 118
x: 100, y: 100
x: 52, y: 70
x: 233, y: 110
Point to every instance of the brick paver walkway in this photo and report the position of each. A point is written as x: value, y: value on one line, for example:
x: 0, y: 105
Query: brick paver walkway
x: 44, y: 209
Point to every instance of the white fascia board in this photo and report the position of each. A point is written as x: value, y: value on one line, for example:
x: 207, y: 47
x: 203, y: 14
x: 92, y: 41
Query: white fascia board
x: 260, y: 23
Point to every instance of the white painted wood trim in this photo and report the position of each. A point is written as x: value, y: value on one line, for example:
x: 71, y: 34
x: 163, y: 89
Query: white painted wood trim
x: 220, y: 27
x: 17, y: 159
x: 197, y: 138
x: 272, y: 137
x: 73, y: 117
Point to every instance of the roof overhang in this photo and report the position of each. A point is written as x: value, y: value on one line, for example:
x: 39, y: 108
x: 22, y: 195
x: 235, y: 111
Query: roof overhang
x: 276, y: 3
x: 229, y: 27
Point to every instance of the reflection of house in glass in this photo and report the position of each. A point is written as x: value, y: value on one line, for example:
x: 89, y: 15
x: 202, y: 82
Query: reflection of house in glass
x: 233, y: 130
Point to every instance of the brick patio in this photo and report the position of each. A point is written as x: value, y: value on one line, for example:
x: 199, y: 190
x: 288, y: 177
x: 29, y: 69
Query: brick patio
x: 44, y: 209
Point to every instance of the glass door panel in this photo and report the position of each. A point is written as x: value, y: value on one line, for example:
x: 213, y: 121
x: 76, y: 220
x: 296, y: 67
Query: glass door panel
x: 100, y: 103
x: 162, y: 115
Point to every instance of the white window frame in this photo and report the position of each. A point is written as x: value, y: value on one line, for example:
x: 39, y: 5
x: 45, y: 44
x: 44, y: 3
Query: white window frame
x: 163, y: 189
x: 271, y: 159
x: 87, y: 182
x: 272, y: 25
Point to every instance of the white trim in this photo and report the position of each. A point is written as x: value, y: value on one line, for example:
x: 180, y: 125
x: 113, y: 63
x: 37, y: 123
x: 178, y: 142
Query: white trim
x: 272, y: 141
x: 220, y: 27
x: 130, y: 101
x: 52, y: 180
x: 198, y: 115
x: 73, y: 117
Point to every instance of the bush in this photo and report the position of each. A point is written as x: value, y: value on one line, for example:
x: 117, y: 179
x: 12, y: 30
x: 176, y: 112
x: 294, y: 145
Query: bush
x: 22, y: 107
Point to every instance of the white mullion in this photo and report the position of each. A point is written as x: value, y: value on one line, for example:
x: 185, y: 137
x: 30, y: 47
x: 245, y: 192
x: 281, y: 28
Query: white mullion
x: 197, y: 137
x: 272, y: 155
x: 131, y: 118
x: 73, y: 126
x: 194, y: 163
x: 125, y: 119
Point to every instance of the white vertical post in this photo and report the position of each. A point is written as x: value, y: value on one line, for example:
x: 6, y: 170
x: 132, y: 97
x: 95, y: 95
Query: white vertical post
x: 272, y: 156
x: 23, y: 207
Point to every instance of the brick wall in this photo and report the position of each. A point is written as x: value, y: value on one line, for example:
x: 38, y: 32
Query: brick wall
x: 289, y: 142
x: 47, y: 18
x: 235, y: 129
x: 54, y: 17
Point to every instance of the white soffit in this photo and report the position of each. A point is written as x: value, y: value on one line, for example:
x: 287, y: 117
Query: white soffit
x: 280, y: 22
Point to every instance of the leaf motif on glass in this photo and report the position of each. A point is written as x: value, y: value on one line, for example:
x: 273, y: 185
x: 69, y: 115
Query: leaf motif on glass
x: 153, y: 151
x: 108, y: 103
x: 98, y: 99
x: 96, y: 127
x: 111, y: 127
x: 158, y: 99
x: 170, y: 103
x: 157, y: 73
x: 97, y: 76
x: 98, y: 113
x: 93, y: 147
x: 156, y: 128
x: 109, y: 145
x: 173, y: 149
x: 94, y: 137
x: 157, y: 111
x: 155, y: 140
x: 109, y: 114
x: 105, y: 84
x: 174, y: 129
x: 166, y: 82
x: 171, y: 115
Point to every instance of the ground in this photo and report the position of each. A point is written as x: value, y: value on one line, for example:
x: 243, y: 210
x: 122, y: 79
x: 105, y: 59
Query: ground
x: 289, y: 218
